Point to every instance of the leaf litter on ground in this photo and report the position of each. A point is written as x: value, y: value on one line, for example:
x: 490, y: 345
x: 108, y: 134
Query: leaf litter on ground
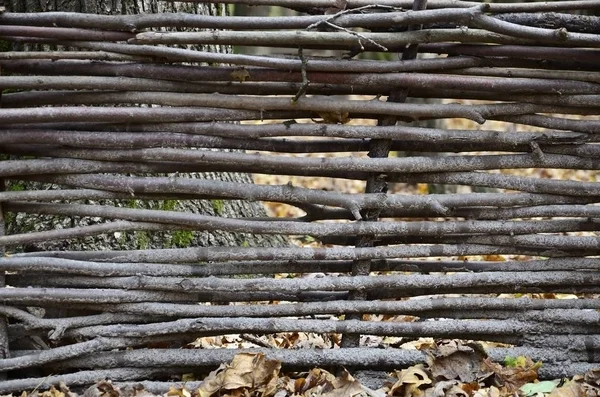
x: 453, y: 369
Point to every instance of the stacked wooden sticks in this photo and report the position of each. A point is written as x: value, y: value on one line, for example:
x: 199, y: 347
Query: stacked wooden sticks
x: 67, y: 120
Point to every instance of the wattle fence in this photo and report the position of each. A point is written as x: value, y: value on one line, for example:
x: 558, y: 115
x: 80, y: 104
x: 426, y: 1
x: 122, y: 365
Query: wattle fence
x: 488, y: 261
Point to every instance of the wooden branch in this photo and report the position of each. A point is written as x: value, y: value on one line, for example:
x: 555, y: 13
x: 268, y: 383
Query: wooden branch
x: 64, y: 33
x: 63, y: 353
x: 452, y: 307
x: 81, y: 378
x: 126, y: 115
x: 69, y: 161
x: 212, y: 223
x: 33, y: 265
x: 462, y: 329
x: 511, y: 182
x: 220, y: 254
x: 42, y: 296
x: 236, y: 136
x: 411, y: 285
x: 347, y: 19
x: 304, y: 358
x: 433, y: 4
x: 331, y: 40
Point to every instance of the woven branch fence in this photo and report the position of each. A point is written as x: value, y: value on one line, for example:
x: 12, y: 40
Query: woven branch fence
x: 68, y: 122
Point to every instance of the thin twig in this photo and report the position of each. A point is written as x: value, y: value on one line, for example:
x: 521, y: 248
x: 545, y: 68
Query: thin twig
x: 305, y: 81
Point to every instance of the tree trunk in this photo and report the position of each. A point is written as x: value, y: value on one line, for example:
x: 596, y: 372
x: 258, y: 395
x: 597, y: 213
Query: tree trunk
x: 23, y: 223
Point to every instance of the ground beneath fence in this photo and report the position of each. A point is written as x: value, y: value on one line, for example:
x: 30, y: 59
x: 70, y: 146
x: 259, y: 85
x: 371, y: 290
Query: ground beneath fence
x: 453, y: 369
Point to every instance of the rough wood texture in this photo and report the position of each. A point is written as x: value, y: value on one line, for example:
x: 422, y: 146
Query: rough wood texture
x: 144, y: 239
x: 537, y: 235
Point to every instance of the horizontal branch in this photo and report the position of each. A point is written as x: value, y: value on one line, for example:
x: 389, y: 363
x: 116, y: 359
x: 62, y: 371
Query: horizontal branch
x: 221, y: 254
x: 552, y: 243
x: 83, y: 231
x: 272, y: 226
x: 250, y: 131
x: 510, y: 182
x: 57, y: 326
x: 513, y: 51
x: 432, y: 4
x: 164, y: 160
x: 187, y: 73
x: 134, y: 115
x: 246, y: 136
x: 70, y: 194
x: 90, y: 97
x: 42, y: 296
x: 410, y: 285
x: 529, y: 73
x: 63, y: 55
x: 588, y: 58
x: 430, y: 205
x: 36, y: 63
x: 374, y: 358
x: 294, y: 359
x: 63, y: 353
x: 462, y: 329
x: 134, y: 23
x: 96, y: 161
x: 81, y: 378
x: 551, y: 20
x: 452, y: 307
x: 33, y: 265
x: 68, y: 33
x: 498, y: 32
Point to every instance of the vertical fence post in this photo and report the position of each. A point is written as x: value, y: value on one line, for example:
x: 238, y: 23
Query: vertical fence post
x: 378, y: 148
x: 4, y: 353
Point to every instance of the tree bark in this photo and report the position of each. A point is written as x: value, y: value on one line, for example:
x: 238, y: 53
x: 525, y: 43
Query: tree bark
x: 22, y: 223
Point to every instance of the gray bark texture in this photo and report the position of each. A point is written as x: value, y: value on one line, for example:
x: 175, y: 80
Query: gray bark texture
x: 22, y: 223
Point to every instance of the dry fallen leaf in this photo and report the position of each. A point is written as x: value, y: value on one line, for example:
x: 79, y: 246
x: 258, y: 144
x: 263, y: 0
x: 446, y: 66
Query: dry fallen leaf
x: 345, y: 386
x: 316, y: 382
x: 489, y: 392
x: 513, y: 378
x: 446, y: 389
x: 334, y: 117
x: 178, y: 392
x: 410, y: 380
x: 571, y: 389
x: 456, y: 361
x: 592, y: 377
x: 240, y: 74
x: 247, y: 371
x: 53, y: 392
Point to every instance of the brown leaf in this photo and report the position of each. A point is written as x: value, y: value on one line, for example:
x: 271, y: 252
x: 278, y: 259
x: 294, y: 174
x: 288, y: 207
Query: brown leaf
x: 448, y: 389
x: 317, y: 382
x: 410, y: 380
x: 107, y: 389
x: 470, y: 388
x: 240, y: 74
x: 53, y: 392
x: 345, y: 386
x: 178, y: 392
x: 456, y: 361
x: 592, y: 377
x: 334, y: 117
x: 571, y: 389
x: 513, y: 378
x: 246, y: 371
